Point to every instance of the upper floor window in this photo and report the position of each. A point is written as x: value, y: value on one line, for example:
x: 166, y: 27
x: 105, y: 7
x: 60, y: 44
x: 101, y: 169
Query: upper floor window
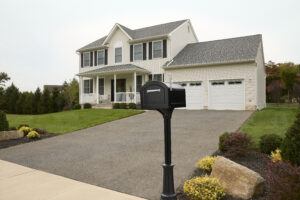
x: 101, y: 57
x: 88, y: 86
x: 157, y: 49
x: 118, y: 54
x: 138, y: 52
x: 86, y: 59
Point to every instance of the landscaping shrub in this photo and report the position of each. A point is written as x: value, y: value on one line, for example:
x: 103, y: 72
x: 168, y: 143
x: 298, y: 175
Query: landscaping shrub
x: 116, y: 106
x: 290, y: 148
x: 222, y: 139
x: 236, y: 144
x: 33, y: 135
x: 283, y: 180
x: 203, y: 188
x: 276, y: 155
x: 269, y: 143
x: 77, y: 107
x: 25, y: 130
x: 40, y: 131
x: 206, y: 163
x: 87, y: 106
x: 21, y: 125
x: 3, y: 122
x: 132, y: 106
x: 123, y: 105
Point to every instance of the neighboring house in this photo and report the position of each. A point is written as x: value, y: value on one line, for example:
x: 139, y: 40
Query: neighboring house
x: 220, y: 74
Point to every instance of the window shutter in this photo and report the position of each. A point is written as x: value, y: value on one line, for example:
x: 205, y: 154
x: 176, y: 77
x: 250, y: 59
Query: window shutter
x: 150, y: 50
x: 91, y: 85
x: 144, y: 51
x: 91, y: 59
x: 150, y: 77
x: 95, y: 56
x: 81, y: 59
x: 105, y: 57
x: 131, y: 53
x: 164, y: 48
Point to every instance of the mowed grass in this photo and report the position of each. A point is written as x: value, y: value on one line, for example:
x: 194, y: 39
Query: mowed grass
x: 68, y: 121
x: 273, y: 119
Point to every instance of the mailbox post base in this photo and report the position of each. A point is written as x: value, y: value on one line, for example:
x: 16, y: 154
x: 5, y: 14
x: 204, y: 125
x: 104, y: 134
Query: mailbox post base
x: 168, y: 183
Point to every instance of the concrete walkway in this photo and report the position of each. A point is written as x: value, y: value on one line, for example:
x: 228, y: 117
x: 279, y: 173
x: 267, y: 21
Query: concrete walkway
x: 23, y: 183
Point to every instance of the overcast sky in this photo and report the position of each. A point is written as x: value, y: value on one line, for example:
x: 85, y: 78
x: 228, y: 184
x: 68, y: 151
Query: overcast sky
x: 38, y: 38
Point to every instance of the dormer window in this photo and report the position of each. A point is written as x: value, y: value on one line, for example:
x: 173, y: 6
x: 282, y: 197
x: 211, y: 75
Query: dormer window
x: 86, y: 59
x: 101, y: 57
x: 118, y: 54
x: 138, y: 52
x: 157, y: 49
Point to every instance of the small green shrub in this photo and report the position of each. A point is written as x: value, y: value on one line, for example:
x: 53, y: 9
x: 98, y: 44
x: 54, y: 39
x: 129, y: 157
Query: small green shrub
x: 3, y: 122
x: 116, y: 106
x: 203, y: 188
x: 87, y: 106
x: 77, y: 107
x: 123, y: 106
x: 25, y: 130
x: 40, y: 131
x: 132, y: 106
x: 269, y: 143
x: 206, y: 163
x: 222, y: 139
x: 33, y: 135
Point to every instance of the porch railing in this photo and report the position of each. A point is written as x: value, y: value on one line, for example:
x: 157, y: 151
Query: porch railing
x: 127, y: 97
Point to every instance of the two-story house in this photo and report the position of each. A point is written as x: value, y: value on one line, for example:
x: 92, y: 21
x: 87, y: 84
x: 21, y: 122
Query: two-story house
x: 220, y: 74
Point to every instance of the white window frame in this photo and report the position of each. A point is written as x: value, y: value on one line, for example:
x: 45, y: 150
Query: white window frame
x: 89, y: 86
x: 121, y: 54
x: 134, y: 52
x: 162, y: 49
x: 98, y: 57
x: 84, y: 53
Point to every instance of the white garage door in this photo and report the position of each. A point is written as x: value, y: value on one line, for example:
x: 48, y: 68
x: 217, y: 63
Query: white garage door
x: 227, y: 95
x: 194, y: 95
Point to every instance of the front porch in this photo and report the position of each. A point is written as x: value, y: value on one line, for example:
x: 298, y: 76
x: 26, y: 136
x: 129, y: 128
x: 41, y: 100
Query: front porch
x: 112, y: 84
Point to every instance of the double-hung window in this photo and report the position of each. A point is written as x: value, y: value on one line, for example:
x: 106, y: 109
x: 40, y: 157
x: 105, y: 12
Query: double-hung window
x: 86, y: 59
x: 101, y: 57
x: 118, y: 54
x: 156, y: 77
x: 139, y: 83
x: 101, y: 86
x: 138, y: 52
x: 157, y: 49
x: 88, y: 86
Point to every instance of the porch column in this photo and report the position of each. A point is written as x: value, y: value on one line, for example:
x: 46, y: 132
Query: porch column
x: 134, y: 86
x: 97, y: 88
x: 80, y: 89
x: 115, y: 87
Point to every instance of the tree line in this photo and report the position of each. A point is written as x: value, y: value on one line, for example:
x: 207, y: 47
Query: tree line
x: 13, y: 101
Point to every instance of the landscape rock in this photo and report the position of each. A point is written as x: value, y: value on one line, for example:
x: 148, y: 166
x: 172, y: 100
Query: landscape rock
x: 8, y: 135
x: 237, y: 180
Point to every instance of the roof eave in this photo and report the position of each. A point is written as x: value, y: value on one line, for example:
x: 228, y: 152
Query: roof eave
x: 91, y: 49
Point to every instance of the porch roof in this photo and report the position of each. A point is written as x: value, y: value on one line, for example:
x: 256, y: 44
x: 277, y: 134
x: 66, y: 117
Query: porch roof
x: 113, y: 69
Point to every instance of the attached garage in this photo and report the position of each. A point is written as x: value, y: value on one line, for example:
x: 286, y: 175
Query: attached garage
x: 194, y: 95
x: 226, y: 95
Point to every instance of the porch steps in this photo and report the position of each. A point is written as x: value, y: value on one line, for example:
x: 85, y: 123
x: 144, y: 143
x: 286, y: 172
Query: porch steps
x: 103, y: 106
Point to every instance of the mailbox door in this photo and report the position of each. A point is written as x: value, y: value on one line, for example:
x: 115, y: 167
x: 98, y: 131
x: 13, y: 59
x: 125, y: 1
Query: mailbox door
x: 155, y: 96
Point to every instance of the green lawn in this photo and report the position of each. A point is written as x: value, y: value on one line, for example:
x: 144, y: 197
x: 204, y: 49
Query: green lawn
x: 68, y: 121
x: 273, y: 119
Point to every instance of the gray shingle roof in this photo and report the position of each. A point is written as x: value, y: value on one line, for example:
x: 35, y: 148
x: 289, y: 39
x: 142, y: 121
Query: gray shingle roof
x: 239, y: 49
x: 142, y: 33
x: 114, y: 68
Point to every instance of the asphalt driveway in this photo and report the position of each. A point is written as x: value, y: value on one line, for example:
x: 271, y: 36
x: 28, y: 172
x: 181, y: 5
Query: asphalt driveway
x: 126, y: 155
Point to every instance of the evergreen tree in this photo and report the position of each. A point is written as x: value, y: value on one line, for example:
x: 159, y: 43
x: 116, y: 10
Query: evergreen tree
x: 28, y: 103
x: 45, y: 101
x: 3, y: 121
x: 36, y: 107
x: 20, y: 103
x: 54, y: 100
x: 11, y: 97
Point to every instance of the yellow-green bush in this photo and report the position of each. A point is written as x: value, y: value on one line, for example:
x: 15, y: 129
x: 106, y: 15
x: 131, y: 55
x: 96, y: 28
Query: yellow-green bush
x: 25, y: 129
x: 276, y: 155
x: 206, y: 163
x: 33, y: 135
x: 203, y: 188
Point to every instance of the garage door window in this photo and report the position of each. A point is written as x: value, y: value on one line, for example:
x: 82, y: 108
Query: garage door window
x: 234, y: 82
x: 195, y: 84
x: 218, y: 83
x: 182, y: 84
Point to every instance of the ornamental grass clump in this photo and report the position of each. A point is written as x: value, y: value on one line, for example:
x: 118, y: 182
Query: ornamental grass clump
x: 206, y: 163
x: 33, y: 135
x: 203, y: 188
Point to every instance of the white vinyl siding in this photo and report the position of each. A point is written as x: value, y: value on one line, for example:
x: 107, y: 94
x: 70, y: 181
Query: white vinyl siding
x: 157, y: 49
x: 86, y: 59
x: 138, y: 52
x: 101, y: 57
x: 118, y: 54
x: 88, y: 86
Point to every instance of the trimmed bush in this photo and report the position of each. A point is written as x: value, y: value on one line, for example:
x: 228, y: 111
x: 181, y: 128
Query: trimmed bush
x: 206, y: 163
x: 3, y: 122
x: 203, y: 188
x: 33, y: 135
x: 269, y: 143
x: 21, y: 125
x: 236, y: 145
x: 25, y: 130
x: 222, y: 139
x: 132, y: 106
x: 116, y: 106
x: 87, y: 106
x: 290, y: 148
x: 77, y: 107
x: 123, y: 106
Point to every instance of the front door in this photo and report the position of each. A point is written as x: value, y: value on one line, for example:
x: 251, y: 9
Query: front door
x: 121, y: 87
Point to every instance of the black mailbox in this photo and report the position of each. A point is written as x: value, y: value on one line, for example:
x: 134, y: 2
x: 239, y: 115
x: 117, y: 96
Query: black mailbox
x: 158, y: 95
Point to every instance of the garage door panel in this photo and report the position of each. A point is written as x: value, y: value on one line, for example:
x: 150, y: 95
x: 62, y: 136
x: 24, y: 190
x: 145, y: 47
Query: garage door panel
x: 194, y: 95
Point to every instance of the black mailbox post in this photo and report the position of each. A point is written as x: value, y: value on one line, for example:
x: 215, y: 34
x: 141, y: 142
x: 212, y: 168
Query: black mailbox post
x: 164, y: 98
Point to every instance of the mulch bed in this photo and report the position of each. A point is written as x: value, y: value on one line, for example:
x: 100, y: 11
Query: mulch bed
x: 253, y: 160
x: 13, y: 142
